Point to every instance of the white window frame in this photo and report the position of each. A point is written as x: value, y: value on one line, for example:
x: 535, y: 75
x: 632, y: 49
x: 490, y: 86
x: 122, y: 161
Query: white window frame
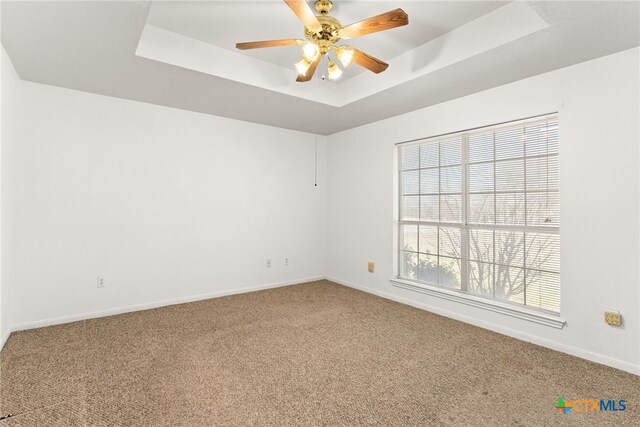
x: 461, y: 296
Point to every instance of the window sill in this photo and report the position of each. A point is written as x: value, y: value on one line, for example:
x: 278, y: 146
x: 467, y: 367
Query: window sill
x: 473, y: 301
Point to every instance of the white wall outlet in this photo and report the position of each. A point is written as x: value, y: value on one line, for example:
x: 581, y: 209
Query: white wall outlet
x: 286, y: 261
x: 269, y: 263
x: 101, y: 283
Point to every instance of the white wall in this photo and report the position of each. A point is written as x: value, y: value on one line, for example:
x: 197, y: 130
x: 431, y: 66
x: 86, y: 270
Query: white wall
x: 10, y: 113
x: 167, y: 205
x: 598, y: 102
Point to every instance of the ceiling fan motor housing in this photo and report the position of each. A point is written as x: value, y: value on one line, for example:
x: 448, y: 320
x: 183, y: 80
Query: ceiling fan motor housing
x: 330, y: 34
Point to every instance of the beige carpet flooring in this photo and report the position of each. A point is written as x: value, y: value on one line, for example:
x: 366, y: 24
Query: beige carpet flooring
x: 308, y: 355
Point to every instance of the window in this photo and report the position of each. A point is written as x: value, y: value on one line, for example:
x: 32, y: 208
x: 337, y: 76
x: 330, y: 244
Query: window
x: 479, y: 213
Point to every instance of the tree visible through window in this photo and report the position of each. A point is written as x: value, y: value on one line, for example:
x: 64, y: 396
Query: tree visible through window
x: 479, y: 212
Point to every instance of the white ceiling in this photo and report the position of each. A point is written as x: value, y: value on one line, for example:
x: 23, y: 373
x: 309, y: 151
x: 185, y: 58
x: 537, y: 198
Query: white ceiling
x: 91, y: 46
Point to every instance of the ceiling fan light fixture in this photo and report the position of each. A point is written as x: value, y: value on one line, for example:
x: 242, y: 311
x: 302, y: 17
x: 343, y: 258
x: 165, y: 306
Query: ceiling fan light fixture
x: 323, y: 32
x: 302, y: 66
x: 345, y: 55
x: 310, y: 52
x: 334, y: 71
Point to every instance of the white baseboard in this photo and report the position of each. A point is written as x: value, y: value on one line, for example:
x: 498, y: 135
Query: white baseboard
x: 553, y: 345
x: 155, y: 304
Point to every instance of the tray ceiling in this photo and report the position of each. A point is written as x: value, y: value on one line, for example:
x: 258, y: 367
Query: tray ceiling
x: 180, y: 54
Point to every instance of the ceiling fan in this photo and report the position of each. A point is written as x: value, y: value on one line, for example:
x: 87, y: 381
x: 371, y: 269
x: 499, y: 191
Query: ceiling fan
x: 323, y: 32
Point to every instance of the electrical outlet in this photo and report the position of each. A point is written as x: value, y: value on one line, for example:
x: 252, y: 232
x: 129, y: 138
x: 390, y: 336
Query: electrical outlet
x: 372, y: 267
x: 612, y: 317
x: 101, y: 282
x: 286, y: 261
x: 269, y: 263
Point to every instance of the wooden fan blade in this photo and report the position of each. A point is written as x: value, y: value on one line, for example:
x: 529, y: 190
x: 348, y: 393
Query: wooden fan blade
x: 386, y: 21
x: 310, y: 71
x: 267, y: 43
x: 306, y: 15
x: 369, y: 62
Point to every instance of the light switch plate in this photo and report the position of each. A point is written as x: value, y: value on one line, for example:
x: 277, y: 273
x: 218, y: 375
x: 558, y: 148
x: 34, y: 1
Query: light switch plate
x: 372, y: 267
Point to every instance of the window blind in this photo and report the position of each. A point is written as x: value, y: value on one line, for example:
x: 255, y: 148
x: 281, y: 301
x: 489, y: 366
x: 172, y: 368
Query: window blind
x: 479, y: 212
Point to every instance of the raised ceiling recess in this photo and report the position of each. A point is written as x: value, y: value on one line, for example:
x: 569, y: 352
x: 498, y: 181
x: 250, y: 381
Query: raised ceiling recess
x: 189, y: 36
